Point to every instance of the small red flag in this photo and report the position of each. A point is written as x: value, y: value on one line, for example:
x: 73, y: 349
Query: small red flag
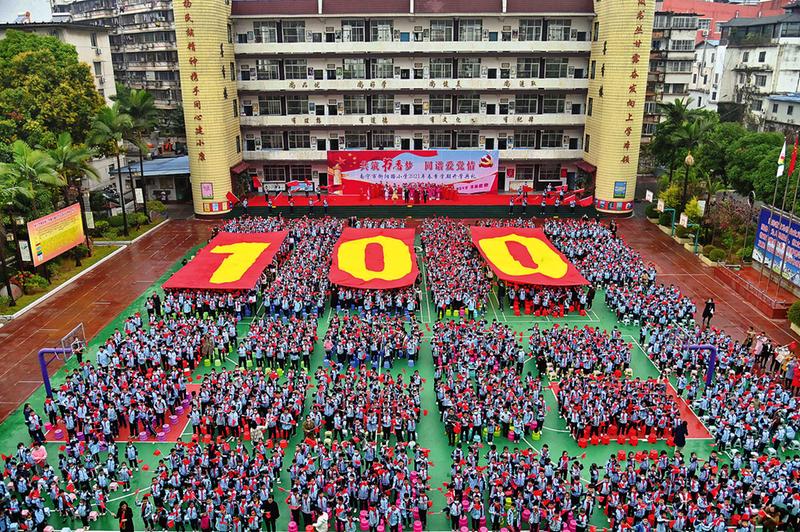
x: 256, y: 182
x: 232, y: 198
x: 793, y: 160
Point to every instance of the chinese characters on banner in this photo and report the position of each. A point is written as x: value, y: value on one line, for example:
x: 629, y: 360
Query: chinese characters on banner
x: 197, y: 106
x: 640, y: 37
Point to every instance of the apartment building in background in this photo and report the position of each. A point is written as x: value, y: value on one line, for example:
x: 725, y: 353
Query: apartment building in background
x: 142, y: 38
x: 92, y: 44
x: 711, y: 14
x: 707, y: 72
x: 761, y: 72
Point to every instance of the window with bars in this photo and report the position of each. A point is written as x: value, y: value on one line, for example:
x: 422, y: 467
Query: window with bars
x: 526, y: 104
x: 558, y: 29
x: 297, y: 105
x: 265, y: 31
x: 381, y: 30
x: 383, y: 104
x: 354, y: 68
x: 440, y: 105
x: 550, y: 172
x: 300, y: 172
x: 271, y: 140
x: 556, y: 67
x: 354, y: 141
x: 299, y: 140
x: 295, y: 68
x: 468, y: 104
x: 525, y: 139
x: 441, y: 139
x: 470, y: 29
x: 355, y: 104
x: 383, y: 139
x: 527, y: 67
x: 469, y: 67
x: 354, y: 30
x: 294, y: 31
x: 274, y: 173
x: 267, y: 69
x: 269, y: 105
x: 441, y: 68
x: 382, y: 67
x: 553, y: 104
x: 552, y: 138
x: 441, y: 30
x: 467, y: 138
x: 530, y: 29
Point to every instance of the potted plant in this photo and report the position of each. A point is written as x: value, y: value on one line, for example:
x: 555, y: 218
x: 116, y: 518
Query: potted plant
x: 794, y: 317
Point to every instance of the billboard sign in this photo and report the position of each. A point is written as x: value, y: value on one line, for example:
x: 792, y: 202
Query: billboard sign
x: 778, y: 236
x: 52, y: 235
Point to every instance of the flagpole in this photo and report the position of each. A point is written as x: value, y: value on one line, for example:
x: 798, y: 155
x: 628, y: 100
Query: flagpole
x: 788, y: 231
x: 781, y: 160
x: 780, y: 217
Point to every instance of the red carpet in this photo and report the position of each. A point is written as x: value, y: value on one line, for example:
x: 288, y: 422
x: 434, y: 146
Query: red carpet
x: 172, y: 435
x: 696, y: 428
x: 300, y: 201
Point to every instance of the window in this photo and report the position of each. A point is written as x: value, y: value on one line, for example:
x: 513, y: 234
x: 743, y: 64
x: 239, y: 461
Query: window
x: 745, y: 57
x: 470, y: 29
x: 469, y: 67
x: 354, y: 30
x: 274, y: 173
x: 596, y: 31
x: 300, y: 172
x: 681, y: 45
x: 468, y: 104
x: 382, y: 67
x: 762, y: 56
x: 789, y: 110
x: 267, y: 69
x: 297, y: 105
x: 238, y: 144
x: 467, y: 138
x: 774, y: 107
x: 355, y: 104
x: 552, y: 138
x: 526, y: 104
x: 235, y: 108
x: 299, y: 140
x: 383, y: 104
x: 556, y: 67
x: 93, y: 39
x: 589, y: 105
x: 441, y: 68
x: 586, y: 143
x: 689, y: 23
x: 441, y: 139
x: 761, y: 80
x: 441, y: 30
x: 525, y: 139
x: 354, y: 68
x: 294, y: 31
x: 558, y: 29
x: 550, y: 172
x: 530, y: 29
x: 553, y: 104
x: 383, y: 139
x: 441, y: 105
x: 269, y: 105
x: 704, y: 24
x: 680, y: 66
x: 381, y: 30
x: 527, y: 67
x: 355, y: 140
x: 790, y: 29
x: 271, y: 140
x: 592, y: 68
x: 296, y: 68
x: 98, y: 68
x: 756, y: 105
x: 265, y: 31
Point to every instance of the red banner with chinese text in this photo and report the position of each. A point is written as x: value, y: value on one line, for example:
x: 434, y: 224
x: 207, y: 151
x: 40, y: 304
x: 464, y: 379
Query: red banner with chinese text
x: 231, y: 261
x: 374, y: 258
x: 525, y: 256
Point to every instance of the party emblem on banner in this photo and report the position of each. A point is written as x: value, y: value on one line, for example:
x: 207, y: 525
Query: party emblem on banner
x: 524, y: 256
x: 374, y: 258
x: 231, y: 261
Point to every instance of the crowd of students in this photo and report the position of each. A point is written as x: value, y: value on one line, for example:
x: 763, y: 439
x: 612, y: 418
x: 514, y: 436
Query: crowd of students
x: 276, y: 342
x: 583, y: 350
x: 374, y: 340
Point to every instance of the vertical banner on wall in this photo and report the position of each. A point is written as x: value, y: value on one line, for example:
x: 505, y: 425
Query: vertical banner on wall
x: 52, y: 235
x: 777, y: 243
x: 467, y: 171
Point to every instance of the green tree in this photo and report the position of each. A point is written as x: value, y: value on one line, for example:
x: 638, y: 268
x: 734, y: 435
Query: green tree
x: 674, y: 115
x: 109, y: 128
x: 44, y: 90
x: 690, y: 135
x: 30, y: 168
x: 751, y: 162
x: 140, y: 106
x: 712, y: 155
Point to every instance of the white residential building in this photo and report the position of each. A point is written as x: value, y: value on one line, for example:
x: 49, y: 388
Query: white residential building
x: 707, y: 72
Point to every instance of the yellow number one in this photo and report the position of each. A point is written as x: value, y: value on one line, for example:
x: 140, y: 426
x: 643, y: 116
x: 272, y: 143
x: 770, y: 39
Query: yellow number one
x: 241, y: 256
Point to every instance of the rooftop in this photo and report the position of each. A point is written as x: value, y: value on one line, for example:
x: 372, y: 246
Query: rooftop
x: 792, y: 97
x: 55, y: 25
x: 164, y: 166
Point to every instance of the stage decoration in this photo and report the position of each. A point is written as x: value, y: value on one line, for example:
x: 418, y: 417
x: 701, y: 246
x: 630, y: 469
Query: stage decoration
x: 525, y: 256
x: 231, y: 261
x: 374, y: 258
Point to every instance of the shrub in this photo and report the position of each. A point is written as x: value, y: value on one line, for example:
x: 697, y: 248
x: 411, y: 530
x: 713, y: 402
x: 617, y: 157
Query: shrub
x: 651, y: 212
x: 116, y: 221
x: 81, y: 251
x: 794, y: 313
x: 717, y: 255
x: 665, y: 219
x: 101, y: 227
x: 156, y: 206
x: 29, y: 282
x: 681, y: 231
x: 708, y: 249
x: 137, y: 219
x: 746, y: 253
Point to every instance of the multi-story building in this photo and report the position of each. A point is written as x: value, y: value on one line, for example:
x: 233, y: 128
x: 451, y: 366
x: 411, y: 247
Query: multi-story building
x: 709, y: 59
x: 545, y: 82
x: 712, y: 14
x: 671, y: 59
x: 761, y: 63
x: 143, y: 47
x: 91, y: 42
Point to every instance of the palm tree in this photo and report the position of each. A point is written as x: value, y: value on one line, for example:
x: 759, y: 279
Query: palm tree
x: 676, y: 114
x: 109, y: 128
x: 689, y: 136
x: 140, y: 105
x: 72, y: 162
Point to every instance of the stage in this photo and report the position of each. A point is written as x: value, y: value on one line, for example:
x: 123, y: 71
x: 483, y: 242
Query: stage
x: 465, y: 206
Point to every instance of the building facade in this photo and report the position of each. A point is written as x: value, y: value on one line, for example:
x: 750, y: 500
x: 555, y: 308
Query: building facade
x: 143, y: 43
x: 544, y: 82
x: 707, y: 72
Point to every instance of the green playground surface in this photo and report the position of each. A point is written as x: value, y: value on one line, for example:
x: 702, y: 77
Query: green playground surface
x: 430, y: 429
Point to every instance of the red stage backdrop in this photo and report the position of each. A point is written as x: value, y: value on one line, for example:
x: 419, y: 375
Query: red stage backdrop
x: 374, y: 258
x: 231, y: 261
x: 468, y: 171
x: 525, y: 256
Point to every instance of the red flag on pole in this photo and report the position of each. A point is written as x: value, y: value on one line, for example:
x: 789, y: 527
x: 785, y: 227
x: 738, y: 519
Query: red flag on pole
x: 232, y: 198
x: 793, y: 160
x: 256, y: 182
